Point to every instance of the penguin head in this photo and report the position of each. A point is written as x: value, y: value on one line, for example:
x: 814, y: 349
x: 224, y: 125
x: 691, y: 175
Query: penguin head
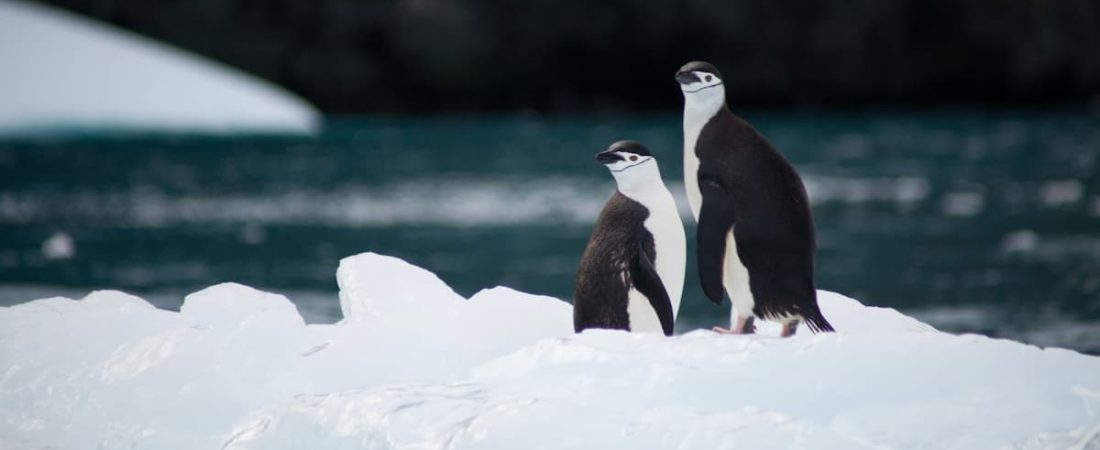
x: 630, y: 162
x: 701, y: 84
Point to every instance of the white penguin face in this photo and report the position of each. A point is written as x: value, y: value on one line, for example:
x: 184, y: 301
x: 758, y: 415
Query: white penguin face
x: 697, y: 81
x: 702, y: 86
x: 632, y: 165
x: 622, y: 161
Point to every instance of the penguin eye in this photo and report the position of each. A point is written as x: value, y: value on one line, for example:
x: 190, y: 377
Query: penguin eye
x: 633, y: 158
x: 708, y: 77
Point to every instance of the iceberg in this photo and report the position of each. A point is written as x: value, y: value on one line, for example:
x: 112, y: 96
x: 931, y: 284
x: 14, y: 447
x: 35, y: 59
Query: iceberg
x: 63, y: 71
x: 412, y: 364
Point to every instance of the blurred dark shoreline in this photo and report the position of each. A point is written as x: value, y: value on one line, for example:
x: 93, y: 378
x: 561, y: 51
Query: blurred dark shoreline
x: 428, y: 57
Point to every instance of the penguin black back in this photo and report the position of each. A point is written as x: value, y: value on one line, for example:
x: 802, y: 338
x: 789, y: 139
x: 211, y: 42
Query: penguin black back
x: 771, y: 212
x: 613, y: 262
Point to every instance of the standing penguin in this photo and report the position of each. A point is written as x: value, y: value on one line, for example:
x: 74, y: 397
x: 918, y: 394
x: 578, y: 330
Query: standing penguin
x: 755, y: 235
x: 631, y: 276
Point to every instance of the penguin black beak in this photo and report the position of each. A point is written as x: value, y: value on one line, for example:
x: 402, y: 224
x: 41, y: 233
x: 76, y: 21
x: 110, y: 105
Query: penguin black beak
x: 608, y: 157
x: 686, y: 77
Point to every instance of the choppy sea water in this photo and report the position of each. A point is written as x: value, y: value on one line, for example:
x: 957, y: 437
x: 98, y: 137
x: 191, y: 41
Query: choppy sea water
x: 975, y: 221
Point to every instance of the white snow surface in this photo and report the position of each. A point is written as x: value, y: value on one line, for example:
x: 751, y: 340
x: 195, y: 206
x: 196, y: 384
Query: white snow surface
x: 415, y: 365
x: 63, y: 71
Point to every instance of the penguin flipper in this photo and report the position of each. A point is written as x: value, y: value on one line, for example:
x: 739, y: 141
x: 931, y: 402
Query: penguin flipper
x: 716, y: 219
x: 648, y: 282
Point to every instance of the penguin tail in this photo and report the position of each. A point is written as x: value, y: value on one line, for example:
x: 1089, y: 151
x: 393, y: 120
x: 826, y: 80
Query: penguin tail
x: 817, y: 323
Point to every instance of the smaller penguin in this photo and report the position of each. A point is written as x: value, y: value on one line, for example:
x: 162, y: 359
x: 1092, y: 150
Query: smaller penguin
x: 631, y: 276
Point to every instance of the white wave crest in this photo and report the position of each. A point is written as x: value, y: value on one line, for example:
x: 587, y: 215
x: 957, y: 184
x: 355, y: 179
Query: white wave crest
x: 467, y: 202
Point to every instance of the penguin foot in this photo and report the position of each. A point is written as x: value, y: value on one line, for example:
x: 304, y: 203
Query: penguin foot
x: 789, y: 329
x: 743, y: 326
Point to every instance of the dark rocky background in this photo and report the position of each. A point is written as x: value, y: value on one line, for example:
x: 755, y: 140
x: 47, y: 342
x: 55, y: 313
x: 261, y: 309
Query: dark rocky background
x: 430, y: 56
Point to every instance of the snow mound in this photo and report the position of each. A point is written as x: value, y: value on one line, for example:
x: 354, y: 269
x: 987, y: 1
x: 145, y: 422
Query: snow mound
x: 373, y: 286
x: 63, y: 71
x: 415, y: 365
x: 209, y: 307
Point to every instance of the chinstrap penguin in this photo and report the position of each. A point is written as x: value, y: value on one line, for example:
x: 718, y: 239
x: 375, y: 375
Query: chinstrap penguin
x: 631, y: 276
x: 755, y: 235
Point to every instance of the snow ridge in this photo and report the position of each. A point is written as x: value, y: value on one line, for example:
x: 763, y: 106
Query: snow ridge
x: 414, y: 365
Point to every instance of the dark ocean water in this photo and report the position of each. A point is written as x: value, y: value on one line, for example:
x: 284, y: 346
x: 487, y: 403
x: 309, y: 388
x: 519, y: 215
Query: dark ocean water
x: 975, y: 221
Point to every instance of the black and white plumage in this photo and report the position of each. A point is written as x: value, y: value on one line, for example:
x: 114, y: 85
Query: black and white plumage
x: 631, y: 276
x: 756, y: 233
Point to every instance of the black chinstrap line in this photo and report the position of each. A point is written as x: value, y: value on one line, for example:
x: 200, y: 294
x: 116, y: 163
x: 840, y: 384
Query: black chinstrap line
x: 703, y: 88
x: 632, y: 165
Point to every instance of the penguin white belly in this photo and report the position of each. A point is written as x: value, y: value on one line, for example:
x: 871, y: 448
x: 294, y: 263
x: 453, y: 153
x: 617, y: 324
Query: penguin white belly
x: 641, y: 314
x: 670, y: 246
x: 736, y: 279
x: 691, y: 171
